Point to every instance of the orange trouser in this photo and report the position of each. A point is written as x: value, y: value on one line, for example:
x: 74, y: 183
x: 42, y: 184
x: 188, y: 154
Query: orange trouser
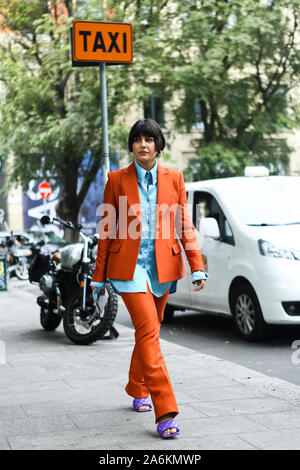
x: 148, y: 372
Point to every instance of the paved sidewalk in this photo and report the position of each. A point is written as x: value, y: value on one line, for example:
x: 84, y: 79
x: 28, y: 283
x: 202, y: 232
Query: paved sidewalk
x: 56, y: 395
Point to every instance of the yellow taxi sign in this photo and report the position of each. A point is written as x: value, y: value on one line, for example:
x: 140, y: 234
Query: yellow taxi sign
x: 98, y: 41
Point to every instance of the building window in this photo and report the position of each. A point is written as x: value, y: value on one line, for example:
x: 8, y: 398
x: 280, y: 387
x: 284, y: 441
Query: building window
x: 191, y: 111
x: 154, y: 108
x: 197, y: 121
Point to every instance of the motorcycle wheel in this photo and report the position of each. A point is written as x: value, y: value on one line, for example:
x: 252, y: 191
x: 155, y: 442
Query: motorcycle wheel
x: 22, y: 271
x: 93, y: 328
x: 48, y: 319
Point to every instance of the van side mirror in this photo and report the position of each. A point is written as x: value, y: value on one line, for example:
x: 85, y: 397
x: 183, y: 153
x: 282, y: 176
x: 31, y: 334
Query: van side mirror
x: 209, y: 227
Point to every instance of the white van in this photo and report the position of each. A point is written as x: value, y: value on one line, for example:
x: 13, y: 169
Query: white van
x: 248, y: 229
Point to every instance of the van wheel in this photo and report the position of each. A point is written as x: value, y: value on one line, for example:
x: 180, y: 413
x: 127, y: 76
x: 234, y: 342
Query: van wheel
x: 168, y: 314
x: 247, y: 314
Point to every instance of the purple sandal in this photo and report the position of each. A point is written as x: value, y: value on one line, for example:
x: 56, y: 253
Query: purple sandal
x: 168, y: 424
x: 137, y: 402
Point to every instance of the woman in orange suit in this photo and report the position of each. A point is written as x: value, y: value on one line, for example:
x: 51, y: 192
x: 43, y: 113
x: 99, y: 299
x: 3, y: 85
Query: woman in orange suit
x: 144, y: 213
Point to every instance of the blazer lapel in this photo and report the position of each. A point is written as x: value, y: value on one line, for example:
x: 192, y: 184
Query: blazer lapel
x: 163, y: 188
x: 131, y: 190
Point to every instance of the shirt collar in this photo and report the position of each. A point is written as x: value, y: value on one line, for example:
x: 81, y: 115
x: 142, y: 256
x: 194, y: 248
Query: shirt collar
x: 141, y: 172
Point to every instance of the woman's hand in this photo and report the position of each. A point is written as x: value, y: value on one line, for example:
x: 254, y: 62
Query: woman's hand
x: 200, y: 284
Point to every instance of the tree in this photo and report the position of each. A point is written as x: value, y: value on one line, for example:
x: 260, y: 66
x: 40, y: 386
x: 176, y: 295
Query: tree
x: 232, y: 66
x: 50, y: 118
x: 229, y: 67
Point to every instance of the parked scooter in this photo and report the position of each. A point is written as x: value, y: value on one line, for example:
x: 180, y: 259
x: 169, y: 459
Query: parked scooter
x: 17, y: 259
x: 64, y: 278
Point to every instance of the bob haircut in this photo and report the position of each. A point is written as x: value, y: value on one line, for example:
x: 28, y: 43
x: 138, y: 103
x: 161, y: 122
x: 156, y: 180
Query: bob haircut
x: 147, y: 128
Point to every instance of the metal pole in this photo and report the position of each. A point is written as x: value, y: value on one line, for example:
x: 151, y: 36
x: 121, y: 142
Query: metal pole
x: 45, y: 206
x: 102, y: 68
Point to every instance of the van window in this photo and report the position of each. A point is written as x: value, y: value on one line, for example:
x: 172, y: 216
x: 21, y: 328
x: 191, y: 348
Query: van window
x: 228, y: 231
x: 206, y: 205
x: 266, y: 201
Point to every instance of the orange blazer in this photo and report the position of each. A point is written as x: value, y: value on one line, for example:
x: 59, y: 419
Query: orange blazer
x: 120, y: 227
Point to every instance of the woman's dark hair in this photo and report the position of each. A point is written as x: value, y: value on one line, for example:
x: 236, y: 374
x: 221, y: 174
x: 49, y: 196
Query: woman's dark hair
x: 147, y: 128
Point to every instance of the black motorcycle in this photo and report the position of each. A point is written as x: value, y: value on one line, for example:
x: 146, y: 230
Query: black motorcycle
x: 64, y: 277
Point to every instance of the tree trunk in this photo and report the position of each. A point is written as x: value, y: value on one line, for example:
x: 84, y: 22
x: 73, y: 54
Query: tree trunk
x: 68, y: 208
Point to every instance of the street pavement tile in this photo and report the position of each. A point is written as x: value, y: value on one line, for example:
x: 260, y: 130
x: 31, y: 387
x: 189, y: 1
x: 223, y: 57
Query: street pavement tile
x: 44, y: 392
x: 183, y: 396
x: 76, y: 406
x: 174, y: 349
x: 126, y: 415
x: 79, y: 439
x: 11, y: 412
x: 218, y: 426
x: 194, y: 382
x: 57, y: 395
x: 101, y: 419
x: 33, y: 386
x: 16, y: 374
x: 180, y: 442
x: 95, y: 382
x: 224, y: 367
x: 232, y: 392
x: 274, y: 440
x: 246, y: 406
x: 25, y: 426
x: 279, y: 420
x: 4, y: 445
x: 276, y: 387
x: 187, y: 411
x: 64, y: 392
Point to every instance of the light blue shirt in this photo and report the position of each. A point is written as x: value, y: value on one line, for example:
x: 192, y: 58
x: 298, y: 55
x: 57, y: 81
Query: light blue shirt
x: 145, y: 270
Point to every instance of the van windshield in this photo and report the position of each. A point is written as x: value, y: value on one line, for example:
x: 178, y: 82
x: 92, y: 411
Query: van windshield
x: 266, y: 202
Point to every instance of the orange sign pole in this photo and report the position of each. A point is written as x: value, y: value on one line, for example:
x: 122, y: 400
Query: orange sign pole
x: 98, y: 43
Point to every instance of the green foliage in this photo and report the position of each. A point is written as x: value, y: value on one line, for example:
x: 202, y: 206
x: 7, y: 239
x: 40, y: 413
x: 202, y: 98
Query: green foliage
x: 243, y: 64
x: 217, y: 160
x: 50, y: 117
x: 228, y: 68
x: 232, y: 67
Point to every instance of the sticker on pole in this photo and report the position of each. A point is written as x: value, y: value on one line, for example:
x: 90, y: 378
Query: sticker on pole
x: 97, y: 41
x: 45, y: 190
